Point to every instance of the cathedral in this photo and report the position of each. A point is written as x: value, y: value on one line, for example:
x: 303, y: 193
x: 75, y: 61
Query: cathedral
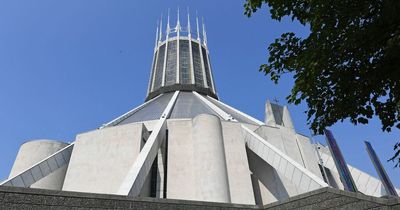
x: 184, y: 143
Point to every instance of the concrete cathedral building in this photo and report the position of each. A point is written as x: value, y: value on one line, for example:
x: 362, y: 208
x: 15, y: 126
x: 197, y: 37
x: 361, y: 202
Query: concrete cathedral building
x: 184, y: 143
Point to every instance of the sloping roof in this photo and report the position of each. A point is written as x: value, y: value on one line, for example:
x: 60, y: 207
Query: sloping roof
x: 188, y: 105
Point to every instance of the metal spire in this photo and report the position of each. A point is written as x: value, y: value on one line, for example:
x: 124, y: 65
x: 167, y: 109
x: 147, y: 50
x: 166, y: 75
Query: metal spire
x: 188, y: 26
x: 157, y: 39
x: 168, y: 27
x: 178, y: 23
x: 160, y: 35
x: 197, y: 26
x: 204, y: 32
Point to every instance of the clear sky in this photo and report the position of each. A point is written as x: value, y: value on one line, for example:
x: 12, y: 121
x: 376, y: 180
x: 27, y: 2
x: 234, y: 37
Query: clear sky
x: 67, y: 67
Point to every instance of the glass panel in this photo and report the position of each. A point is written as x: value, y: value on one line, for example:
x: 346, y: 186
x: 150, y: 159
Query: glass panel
x: 198, y: 74
x: 44, y: 168
x: 151, y: 111
x: 9, y: 183
x: 188, y: 106
x: 52, y: 163
x: 59, y: 159
x: 205, y: 58
x: 159, y: 67
x: 67, y: 154
x: 37, y: 175
x: 18, y: 182
x: 184, y: 62
x: 28, y: 178
x: 170, y: 72
x: 278, y: 113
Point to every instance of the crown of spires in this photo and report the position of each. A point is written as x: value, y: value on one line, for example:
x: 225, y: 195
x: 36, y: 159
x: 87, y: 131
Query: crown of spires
x: 178, y: 30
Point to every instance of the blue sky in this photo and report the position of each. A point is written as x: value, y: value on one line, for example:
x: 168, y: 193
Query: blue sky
x: 67, y: 67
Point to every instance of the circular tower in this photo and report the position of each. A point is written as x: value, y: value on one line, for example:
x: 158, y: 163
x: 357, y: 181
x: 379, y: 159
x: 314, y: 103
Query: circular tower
x: 181, y: 61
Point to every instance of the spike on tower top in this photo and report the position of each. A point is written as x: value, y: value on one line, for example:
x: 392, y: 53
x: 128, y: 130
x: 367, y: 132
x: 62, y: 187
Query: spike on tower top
x: 181, y: 62
x: 160, y: 31
x: 188, y: 23
x: 178, y: 23
x: 199, y: 32
x: 197, y: 27
x: 157, y: 39
x: 204, y: 32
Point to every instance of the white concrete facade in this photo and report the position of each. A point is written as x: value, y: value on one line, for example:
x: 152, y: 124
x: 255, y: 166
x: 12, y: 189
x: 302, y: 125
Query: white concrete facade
x: 205, y: 158
x: 34, y: 151
x: 101, y: 158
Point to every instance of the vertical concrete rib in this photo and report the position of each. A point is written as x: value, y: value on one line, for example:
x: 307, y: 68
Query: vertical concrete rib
x: 166, y: 52
x: 178, y: 30
x: 201, y: 54
x: 209, y: 69
x: 209, y: 155
x: 191, y: 68
x: 191, y: 60
x: 150, y: 86
x: 153, y: 72
x: 203, y: 68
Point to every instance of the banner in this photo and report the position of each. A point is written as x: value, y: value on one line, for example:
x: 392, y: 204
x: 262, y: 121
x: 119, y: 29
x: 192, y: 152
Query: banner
x: 380, y: 170
x: 341, y: 166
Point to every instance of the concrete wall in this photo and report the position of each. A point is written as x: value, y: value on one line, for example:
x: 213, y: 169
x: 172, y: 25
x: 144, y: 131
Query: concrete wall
x: 34, y: 151
x: 239, y: 175
x: 268, y: 184
x: 101, y: 158
x: 180, y: 160
x: 196, y: 170
x: 308, y: 155
x: 297, y: 147
x: 267, y: 188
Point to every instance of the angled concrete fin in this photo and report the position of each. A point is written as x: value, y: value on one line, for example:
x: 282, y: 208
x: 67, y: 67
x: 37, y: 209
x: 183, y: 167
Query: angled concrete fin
x: 300, y: 176
x: 128, y: 114
x: 244, y: 115
x: 134, y: 180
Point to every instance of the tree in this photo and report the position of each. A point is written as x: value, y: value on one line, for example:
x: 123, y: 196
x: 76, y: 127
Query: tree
x: 349, y: 65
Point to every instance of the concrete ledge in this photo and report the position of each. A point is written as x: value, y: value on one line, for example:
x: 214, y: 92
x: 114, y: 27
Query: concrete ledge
x: 26, y: 198
x: 181, y: 87
x: 325, y: 198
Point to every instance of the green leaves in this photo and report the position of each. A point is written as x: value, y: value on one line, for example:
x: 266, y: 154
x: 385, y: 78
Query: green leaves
x: 349, y: 65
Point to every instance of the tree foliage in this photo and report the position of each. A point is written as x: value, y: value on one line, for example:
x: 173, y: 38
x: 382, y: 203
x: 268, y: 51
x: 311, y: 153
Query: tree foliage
x: 349, y: 65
